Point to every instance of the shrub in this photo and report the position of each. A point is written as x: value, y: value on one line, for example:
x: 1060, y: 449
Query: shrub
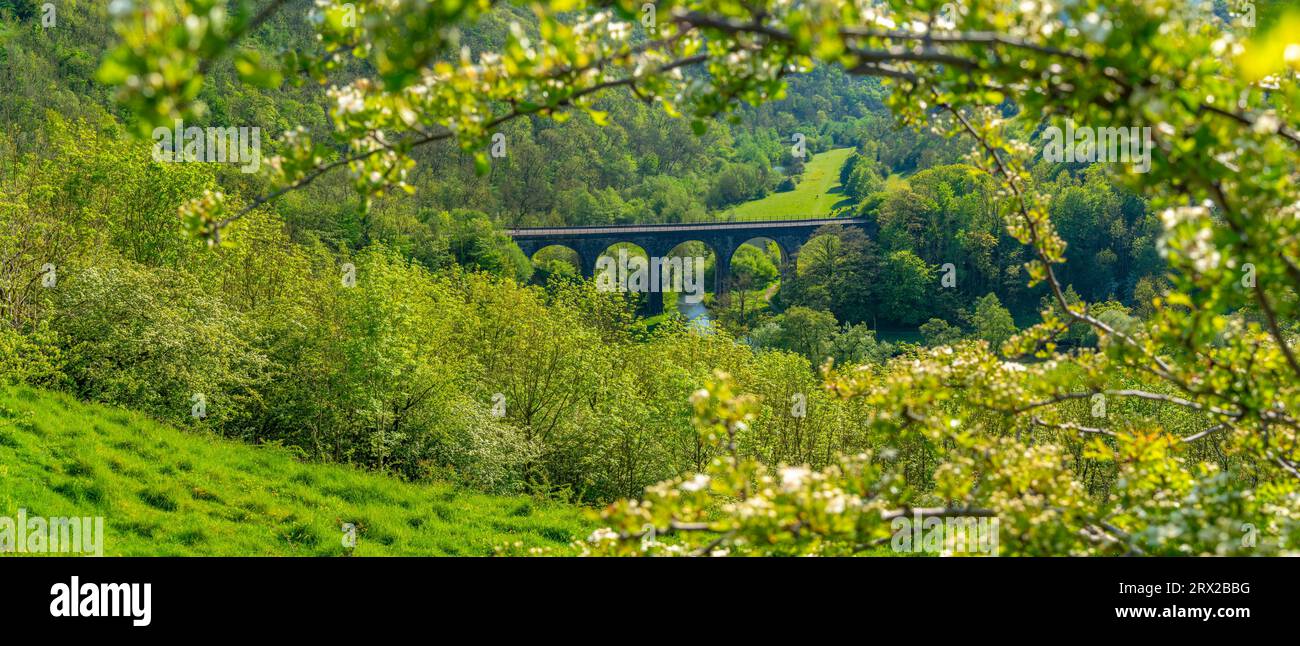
x: 32, y: 358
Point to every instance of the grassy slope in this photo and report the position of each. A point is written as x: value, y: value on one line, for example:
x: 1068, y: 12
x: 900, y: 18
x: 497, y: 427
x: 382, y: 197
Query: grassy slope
x: 167, y: 492
x: 811, y: 198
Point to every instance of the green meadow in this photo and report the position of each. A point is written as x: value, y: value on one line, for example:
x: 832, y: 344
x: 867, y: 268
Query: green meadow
x: 166, y: 492
x: 817, y: 192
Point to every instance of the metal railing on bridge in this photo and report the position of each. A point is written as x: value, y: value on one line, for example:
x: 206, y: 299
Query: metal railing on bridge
x: 606, y: 229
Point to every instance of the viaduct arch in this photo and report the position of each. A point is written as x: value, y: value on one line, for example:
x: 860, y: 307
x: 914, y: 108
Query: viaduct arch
x: 659, y: 239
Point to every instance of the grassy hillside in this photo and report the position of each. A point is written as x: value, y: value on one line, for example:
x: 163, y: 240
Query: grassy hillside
x: 166, y: 492
x: 813, y: 197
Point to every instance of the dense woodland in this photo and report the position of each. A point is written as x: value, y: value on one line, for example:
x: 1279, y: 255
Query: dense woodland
x: 406, y: 371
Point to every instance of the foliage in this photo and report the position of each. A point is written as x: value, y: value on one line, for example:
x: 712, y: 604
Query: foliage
x: 937, y: 331
x: 1197, y: 434
x: 155, y: 340
x: 32, y: 359
x: 992, y: 322
x: 1162, y: 505
x: 800, y: 330
x: 907, y: 282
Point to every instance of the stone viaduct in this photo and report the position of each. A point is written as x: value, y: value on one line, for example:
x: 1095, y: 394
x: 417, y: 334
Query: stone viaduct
x: 657, y: 240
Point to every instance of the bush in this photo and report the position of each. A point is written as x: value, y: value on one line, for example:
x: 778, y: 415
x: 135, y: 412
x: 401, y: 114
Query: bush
x: 153, y: 340
x: 482, y: 451
x: 30, y: 358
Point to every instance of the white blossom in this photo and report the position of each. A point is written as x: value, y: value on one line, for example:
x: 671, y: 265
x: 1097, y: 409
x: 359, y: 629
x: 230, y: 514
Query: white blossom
x: 792, y: 478
x: 699, y: 483
x: 350, y: 101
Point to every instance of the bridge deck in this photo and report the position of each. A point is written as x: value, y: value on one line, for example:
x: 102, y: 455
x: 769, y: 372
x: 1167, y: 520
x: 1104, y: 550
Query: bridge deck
x: 616, y: 229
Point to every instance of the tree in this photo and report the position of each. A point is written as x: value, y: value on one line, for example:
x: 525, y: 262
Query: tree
x: 860, y: 176
x: 838, y: 272
x: 991, y: 321
x: 1145, y: 292
x: 907, y: 285
x: 477, y: 244
x: 736, y: 183
x: 856, y: 345
x: 801, y: 330
x: 940, y: 332
x: 751, y: 270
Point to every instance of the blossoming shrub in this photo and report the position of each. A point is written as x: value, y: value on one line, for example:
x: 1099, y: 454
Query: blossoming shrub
x: 1161, y: 501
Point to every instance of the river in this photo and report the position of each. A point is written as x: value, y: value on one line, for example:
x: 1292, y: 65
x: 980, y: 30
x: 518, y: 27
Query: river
x: 696, y: 313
